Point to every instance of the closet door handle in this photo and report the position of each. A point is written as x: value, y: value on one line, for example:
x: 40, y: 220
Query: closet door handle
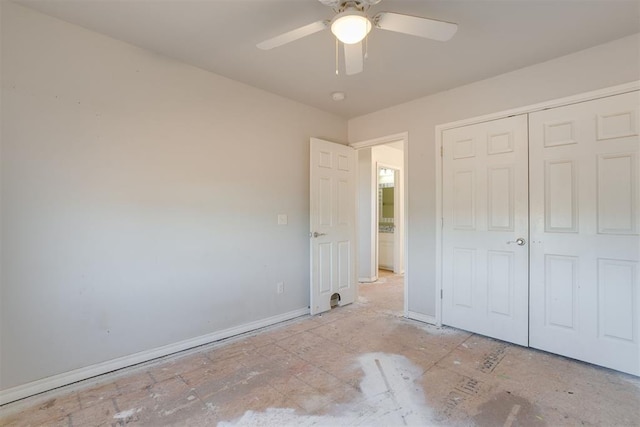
x: 519, y: 241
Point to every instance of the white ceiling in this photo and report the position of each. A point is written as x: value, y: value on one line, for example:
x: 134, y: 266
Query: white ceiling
x: 494, y: 37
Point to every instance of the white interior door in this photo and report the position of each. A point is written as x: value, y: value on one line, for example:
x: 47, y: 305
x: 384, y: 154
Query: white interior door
x: 333, y: 224
x: 585, y: 218
x: 485, y: 212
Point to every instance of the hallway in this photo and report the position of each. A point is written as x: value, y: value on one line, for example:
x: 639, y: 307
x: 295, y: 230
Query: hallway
x: 386, y: 295
x: 362, y: 364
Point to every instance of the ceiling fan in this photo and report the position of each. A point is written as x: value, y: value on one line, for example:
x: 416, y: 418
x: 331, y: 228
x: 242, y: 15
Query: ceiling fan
x: 351, y: 25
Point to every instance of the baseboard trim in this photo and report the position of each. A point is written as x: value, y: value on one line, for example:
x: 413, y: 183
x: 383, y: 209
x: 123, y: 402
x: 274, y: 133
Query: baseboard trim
x: 367, y: 279
x: 422, y: 317
x: 50, y: 383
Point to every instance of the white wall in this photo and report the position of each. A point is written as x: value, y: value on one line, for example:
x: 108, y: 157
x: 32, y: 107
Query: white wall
x: 139, y: 199
x: 366, y: 210
x: 601, y: 66
x: 368, y: 158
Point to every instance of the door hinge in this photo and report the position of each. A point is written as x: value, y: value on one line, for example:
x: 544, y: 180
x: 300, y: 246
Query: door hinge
x: 441, y: 151
x: 441, y: 293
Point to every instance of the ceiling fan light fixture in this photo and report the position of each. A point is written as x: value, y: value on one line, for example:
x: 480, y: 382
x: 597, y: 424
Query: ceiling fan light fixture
x: 351, y: 26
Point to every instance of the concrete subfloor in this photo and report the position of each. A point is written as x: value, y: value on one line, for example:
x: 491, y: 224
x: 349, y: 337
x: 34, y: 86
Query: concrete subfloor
x: 361, y: 364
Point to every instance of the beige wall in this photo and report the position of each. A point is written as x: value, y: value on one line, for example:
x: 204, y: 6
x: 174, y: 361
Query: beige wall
x: 602, y: 66
x: 140, y: 199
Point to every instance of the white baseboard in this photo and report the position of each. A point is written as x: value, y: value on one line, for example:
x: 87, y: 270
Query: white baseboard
x: 49, y: 383
x: 422, y: 317
x: 367, y: 279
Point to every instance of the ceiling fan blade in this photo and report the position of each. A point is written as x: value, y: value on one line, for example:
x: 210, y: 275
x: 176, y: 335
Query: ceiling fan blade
x: 353, y: 61
x: 293, y: 35
x: 415, y: 26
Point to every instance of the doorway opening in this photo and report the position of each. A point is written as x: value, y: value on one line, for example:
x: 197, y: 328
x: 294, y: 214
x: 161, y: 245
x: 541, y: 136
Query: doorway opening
x: 381, y: 216
x: 388, y: 213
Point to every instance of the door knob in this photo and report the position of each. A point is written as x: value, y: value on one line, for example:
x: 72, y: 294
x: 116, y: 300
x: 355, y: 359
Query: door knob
x: 519, y: 241
x: 316, y: 234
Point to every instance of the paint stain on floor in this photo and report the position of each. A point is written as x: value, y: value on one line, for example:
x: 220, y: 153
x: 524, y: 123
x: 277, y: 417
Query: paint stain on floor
x: 391, y: 396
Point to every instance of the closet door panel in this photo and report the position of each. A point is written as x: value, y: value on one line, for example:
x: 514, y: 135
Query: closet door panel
x: 485, y: 209
x: 585, y: 248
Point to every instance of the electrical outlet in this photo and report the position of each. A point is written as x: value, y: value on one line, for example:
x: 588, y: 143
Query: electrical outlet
x: 280, y: 287
x: 282, y: 219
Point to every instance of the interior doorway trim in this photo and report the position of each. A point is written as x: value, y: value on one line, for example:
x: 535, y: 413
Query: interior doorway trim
x: 438, y: 148
x: 404, y: 137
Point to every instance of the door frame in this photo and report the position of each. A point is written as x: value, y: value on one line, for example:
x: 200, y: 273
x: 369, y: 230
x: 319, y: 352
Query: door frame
x: 404, y: 137
x: 438, y: 148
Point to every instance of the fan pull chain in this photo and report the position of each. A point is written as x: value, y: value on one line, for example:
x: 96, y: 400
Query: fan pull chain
x: 366, y: 47
x: 337, y: 46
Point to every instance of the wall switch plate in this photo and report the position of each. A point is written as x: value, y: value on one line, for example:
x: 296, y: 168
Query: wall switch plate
x: 280, y: 287
x: 282, y: 219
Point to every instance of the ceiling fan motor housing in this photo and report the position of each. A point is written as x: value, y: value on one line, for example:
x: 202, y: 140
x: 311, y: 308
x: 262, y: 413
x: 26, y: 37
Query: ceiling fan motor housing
x: 342, y: 5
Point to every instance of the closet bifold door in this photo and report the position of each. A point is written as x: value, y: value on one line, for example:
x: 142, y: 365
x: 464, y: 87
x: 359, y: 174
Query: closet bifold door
x: 585, y: 218
x: 485, y: 245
